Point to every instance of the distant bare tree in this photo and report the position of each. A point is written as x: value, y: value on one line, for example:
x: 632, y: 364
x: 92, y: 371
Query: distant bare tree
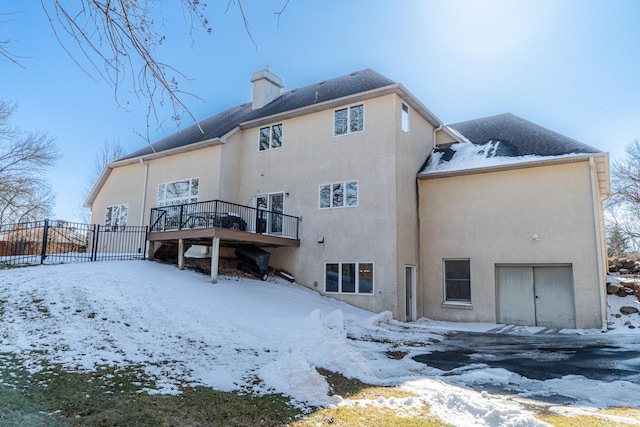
x: 109, y: 152
x: 25, y: 194
x: 624, y: 203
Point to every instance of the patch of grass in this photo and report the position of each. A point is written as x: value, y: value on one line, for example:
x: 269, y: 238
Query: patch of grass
x: 366, y: 417
x: 396, y: 354
x: 623, y: 411
x: 110, y: 396
x: 352, y: 388
x: 579, y: 421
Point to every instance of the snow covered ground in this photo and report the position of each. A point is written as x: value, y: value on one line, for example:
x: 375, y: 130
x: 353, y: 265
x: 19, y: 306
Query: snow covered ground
x: 184, y: 330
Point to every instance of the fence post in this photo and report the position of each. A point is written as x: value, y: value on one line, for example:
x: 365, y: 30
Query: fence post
x: 45, y: 232
x: 94, y: 246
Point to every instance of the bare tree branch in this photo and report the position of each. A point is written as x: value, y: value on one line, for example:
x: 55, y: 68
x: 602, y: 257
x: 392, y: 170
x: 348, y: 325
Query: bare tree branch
x: 624, y: 204
x: 24, y: 158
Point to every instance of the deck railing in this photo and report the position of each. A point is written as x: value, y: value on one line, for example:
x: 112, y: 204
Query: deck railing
x: 217, y: 213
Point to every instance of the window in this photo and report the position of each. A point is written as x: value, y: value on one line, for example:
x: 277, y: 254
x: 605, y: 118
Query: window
x: 348, y: 120
x: 338, y: 195
x: 271, y: 137
x: 349, y: 277
x: 116, y: 216
x: 457, y: 278
x: 178, y: 192
x: 405, y: 118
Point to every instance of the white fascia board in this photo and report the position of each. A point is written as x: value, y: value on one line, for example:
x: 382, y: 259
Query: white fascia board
x: 88, y: 203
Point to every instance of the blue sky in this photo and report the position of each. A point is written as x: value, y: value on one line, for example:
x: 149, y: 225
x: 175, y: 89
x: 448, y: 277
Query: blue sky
x: 572, y: 66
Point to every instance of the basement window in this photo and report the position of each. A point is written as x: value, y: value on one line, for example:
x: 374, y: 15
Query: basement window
x: 349, y: 277
x: 457, y: 281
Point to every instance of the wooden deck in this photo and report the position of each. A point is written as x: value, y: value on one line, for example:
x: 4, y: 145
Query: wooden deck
x: 229, y: 237
x: 213, y: 237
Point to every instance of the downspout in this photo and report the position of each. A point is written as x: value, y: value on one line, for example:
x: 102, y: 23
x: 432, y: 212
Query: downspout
x: 434, y: 136
x: 598, y: 230
x: 419, y: 297
x: 144, y: 190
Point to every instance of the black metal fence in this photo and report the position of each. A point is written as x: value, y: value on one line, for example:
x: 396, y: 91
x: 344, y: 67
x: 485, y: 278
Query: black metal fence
x: 217, y: 213
x: 50, y: 242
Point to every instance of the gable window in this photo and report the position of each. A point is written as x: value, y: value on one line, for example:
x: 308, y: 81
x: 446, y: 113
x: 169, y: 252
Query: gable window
x: 349, y: 277
x: 457, y: 280
x: 178, y: 192
x: 338, y: 195
x: 348, y: 120
x: 271, y: 137
x: 405, y: 118
x: 116, y: 216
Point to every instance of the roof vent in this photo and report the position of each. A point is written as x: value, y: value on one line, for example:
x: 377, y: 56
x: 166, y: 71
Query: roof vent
x: 266, y: 87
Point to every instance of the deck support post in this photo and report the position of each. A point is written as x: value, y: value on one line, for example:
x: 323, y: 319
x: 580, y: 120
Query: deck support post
x: 181, y: 254
x: 215, y: 255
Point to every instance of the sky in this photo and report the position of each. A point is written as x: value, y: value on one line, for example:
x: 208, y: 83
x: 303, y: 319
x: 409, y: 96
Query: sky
x: 83, y: 316
x: 569, y: 65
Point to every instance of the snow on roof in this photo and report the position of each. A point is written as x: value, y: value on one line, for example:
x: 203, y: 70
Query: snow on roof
x: 467, y: 155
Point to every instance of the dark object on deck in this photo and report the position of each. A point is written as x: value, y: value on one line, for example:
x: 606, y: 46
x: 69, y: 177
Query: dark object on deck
x: 254, y: 260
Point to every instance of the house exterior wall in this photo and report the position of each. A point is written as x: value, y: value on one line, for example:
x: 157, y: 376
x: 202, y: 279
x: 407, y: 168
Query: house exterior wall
x: 124, y: 185
x: 488, y: 219
x: 203, y: 164
x: 411, y: 150
x: 384, y: 161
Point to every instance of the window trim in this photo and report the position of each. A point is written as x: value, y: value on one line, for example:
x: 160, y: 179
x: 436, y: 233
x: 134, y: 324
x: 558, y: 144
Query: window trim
x: 348, y: 130
x: 455, y: 302
x: 357, y: 284
x: 344, y: 197
x: 270, y: 127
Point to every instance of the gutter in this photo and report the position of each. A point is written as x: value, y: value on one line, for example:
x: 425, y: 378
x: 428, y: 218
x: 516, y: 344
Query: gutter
x: 598, y: 230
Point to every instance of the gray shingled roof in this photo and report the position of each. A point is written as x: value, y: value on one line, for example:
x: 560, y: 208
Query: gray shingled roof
x: 225, y: 121
x: 519, y: 137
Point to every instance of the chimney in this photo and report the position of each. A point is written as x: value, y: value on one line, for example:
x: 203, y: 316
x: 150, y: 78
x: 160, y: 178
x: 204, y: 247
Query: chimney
x: 266, y: 87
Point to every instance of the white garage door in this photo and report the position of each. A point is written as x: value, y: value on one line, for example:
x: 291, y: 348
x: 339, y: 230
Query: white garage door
x: 536, y: 296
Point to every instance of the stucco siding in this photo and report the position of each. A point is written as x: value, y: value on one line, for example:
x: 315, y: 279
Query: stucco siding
x: 411, y: 149
x: 489, y: 218
x: 203, y: 164
x: 311, y: 156
x: 124, y: 186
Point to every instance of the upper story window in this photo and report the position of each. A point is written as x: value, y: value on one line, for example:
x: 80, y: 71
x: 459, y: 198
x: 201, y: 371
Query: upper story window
x: 457, y: 280
x: 271, y: 137
x: 338, y: 195
x: 116, y: 216
x: 405, y: 118
x: 178, y: 192
x: 348, y: 120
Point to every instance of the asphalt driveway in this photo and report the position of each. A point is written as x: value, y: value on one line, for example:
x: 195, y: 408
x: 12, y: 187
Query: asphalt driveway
x: 538, y: 357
